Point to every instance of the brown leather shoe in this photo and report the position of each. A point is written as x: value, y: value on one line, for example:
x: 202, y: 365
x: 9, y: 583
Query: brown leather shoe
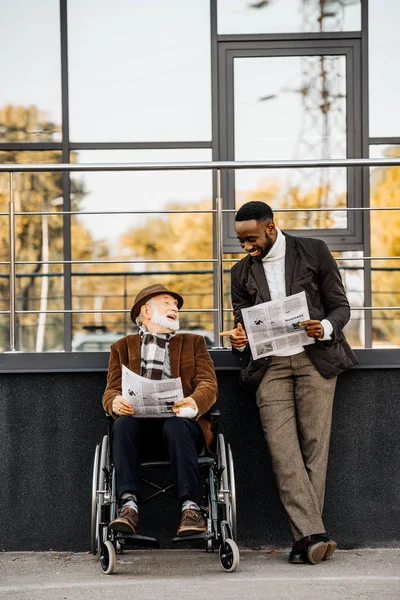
x: 192, y: 522
x: 126, y: 522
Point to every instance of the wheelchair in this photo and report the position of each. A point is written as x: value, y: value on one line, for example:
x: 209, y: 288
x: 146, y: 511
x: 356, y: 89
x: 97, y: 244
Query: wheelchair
x: 219, y: 503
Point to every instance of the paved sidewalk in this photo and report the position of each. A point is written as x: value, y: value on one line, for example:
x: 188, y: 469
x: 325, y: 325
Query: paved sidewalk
x: 194, y: 574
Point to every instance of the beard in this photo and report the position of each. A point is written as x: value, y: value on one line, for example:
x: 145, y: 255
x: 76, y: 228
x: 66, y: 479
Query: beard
x: 158, y: 319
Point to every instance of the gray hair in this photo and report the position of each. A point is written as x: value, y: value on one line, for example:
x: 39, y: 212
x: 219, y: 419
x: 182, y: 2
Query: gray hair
x: 139, y: 318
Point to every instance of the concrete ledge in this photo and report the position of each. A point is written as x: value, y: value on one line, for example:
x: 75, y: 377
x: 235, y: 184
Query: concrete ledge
x: 61, y: 362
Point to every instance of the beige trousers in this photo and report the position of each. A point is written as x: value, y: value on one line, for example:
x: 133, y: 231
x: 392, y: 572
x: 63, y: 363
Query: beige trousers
x: 295, y: 403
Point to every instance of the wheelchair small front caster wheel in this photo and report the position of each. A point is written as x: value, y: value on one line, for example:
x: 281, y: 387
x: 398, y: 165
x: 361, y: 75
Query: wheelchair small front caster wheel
x: 229, y: 555
x: 108, y: 560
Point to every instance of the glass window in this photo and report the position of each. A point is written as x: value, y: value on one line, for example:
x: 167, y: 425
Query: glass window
x: 30, y: 71
x: 385, y: 241
x: 292, y: 107
x: 384, y: 58
x: 4, y: 331
x: 352, y: 272
x: 166, y: 237
x: 288, y: 16
x: 39, y: 238
x: 146, y: 190
x: 141, y: 71
x: 36, y: 333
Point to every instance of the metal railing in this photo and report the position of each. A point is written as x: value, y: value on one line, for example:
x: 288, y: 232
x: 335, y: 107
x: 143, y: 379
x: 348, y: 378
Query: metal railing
x: 218, y: 260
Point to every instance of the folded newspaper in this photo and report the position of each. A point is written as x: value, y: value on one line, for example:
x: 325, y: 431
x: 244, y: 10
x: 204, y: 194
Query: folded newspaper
x: 150, y: 398
x: 274, y: 326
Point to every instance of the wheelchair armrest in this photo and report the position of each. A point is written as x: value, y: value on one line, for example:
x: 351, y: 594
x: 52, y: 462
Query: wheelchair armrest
x: 214, y: 416
x: 110, y: 421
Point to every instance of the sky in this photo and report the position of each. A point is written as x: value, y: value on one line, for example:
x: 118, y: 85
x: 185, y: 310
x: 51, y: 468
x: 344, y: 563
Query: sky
x: 135, y: 83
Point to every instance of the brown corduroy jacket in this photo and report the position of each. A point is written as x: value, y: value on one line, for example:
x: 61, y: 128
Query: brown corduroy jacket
x: 190, y: 361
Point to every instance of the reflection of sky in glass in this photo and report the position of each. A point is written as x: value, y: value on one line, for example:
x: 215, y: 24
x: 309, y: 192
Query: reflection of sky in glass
x: 278, y: 108
x: 384, y: 59
x: 286, y: 16
x: 141, y: 71
x: 30, y: 65
x: 278, y: 116
x: 139, y: 191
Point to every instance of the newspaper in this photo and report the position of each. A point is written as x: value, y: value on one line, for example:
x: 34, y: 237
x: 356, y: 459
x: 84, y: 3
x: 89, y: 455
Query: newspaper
x: 274, y: 326
x: 150, y: 398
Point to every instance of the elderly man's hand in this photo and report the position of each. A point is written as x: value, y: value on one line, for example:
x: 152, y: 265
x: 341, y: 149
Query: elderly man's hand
x: 185, y: 403
x: 120, y: 406
x: 237, y: 336
x: 314, y: 329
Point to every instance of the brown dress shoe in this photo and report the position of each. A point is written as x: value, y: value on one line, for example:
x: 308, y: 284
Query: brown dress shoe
x: 126, y: 522
x: 192, y: 522
x: 312, y: 549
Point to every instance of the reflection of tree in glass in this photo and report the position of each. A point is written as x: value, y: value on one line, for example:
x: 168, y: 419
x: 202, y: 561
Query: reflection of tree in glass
x: 38, y: 237
x: 385, y: 241
x: 177, y: 236
x: 26, y: 124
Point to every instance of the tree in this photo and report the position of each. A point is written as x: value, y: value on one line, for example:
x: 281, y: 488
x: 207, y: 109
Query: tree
x: 38, y: 237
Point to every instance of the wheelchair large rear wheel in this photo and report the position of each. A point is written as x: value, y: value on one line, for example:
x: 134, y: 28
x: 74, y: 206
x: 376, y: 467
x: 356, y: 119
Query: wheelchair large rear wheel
x: 227, y: 491
x: 99, y: 488
x: 232, y: 492
x: 93, y: 524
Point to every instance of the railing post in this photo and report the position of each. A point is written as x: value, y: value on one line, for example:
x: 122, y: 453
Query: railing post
x: 220, y: 264
x: 11, y: 232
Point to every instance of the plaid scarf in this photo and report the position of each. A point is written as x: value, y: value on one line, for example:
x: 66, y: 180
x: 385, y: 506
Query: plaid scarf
x: 154, y: 347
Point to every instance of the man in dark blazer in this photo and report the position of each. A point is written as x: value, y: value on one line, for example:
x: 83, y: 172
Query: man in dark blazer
x: 295, y: 387
x: 159, y: 352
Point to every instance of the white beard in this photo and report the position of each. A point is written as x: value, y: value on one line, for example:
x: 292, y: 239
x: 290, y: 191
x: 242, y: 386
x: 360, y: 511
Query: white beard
x: 158, y: 319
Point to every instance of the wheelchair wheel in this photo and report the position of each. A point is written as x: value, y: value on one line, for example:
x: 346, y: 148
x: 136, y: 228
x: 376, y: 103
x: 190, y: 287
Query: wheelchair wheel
x: 103, y: 468
x: 108, y: 560
x: 98, y: 491
x: 226, y: 492
x: 229, y: 555
x: 232, y: 491
x: 94, y: 521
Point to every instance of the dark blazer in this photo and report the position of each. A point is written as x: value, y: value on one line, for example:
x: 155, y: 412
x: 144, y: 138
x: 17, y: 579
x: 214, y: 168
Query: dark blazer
x: 309, y: 266
x: 189, y: 360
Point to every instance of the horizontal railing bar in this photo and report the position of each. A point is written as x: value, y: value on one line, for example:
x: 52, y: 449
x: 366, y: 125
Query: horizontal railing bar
x: 197, y: 272
x: 113, y: 212
x: 187, y: 310
x: 190, y: 211
x: 188, y: 260
x: 336, y: 258
x: 204, y: 165
x: 111, y: 310
x: 112, y: 262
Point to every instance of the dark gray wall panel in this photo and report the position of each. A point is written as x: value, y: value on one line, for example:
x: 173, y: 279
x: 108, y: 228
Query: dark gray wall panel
x: 51, y: 422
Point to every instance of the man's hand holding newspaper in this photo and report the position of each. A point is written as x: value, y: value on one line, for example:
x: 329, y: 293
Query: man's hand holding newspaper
x: 121, y: 407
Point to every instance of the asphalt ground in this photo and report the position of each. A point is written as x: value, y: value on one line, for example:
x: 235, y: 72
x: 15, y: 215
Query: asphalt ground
x: 195, y: 574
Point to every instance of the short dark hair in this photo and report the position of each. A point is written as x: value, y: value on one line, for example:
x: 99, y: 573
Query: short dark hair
x: 259, y: 211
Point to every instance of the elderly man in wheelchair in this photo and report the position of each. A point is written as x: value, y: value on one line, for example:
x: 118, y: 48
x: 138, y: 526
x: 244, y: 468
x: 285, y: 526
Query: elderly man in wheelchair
x: 159, y: 352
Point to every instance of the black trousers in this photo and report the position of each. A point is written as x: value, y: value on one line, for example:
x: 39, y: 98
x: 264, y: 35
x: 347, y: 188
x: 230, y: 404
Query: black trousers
x: 175, y: 439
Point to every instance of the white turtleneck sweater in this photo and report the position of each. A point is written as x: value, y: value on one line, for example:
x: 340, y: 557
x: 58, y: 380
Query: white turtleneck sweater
x: 274, y: 268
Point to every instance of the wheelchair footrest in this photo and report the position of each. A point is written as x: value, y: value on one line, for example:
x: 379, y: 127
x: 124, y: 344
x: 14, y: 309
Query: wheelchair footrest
x: 204, y: 535
x: 138, y: 540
